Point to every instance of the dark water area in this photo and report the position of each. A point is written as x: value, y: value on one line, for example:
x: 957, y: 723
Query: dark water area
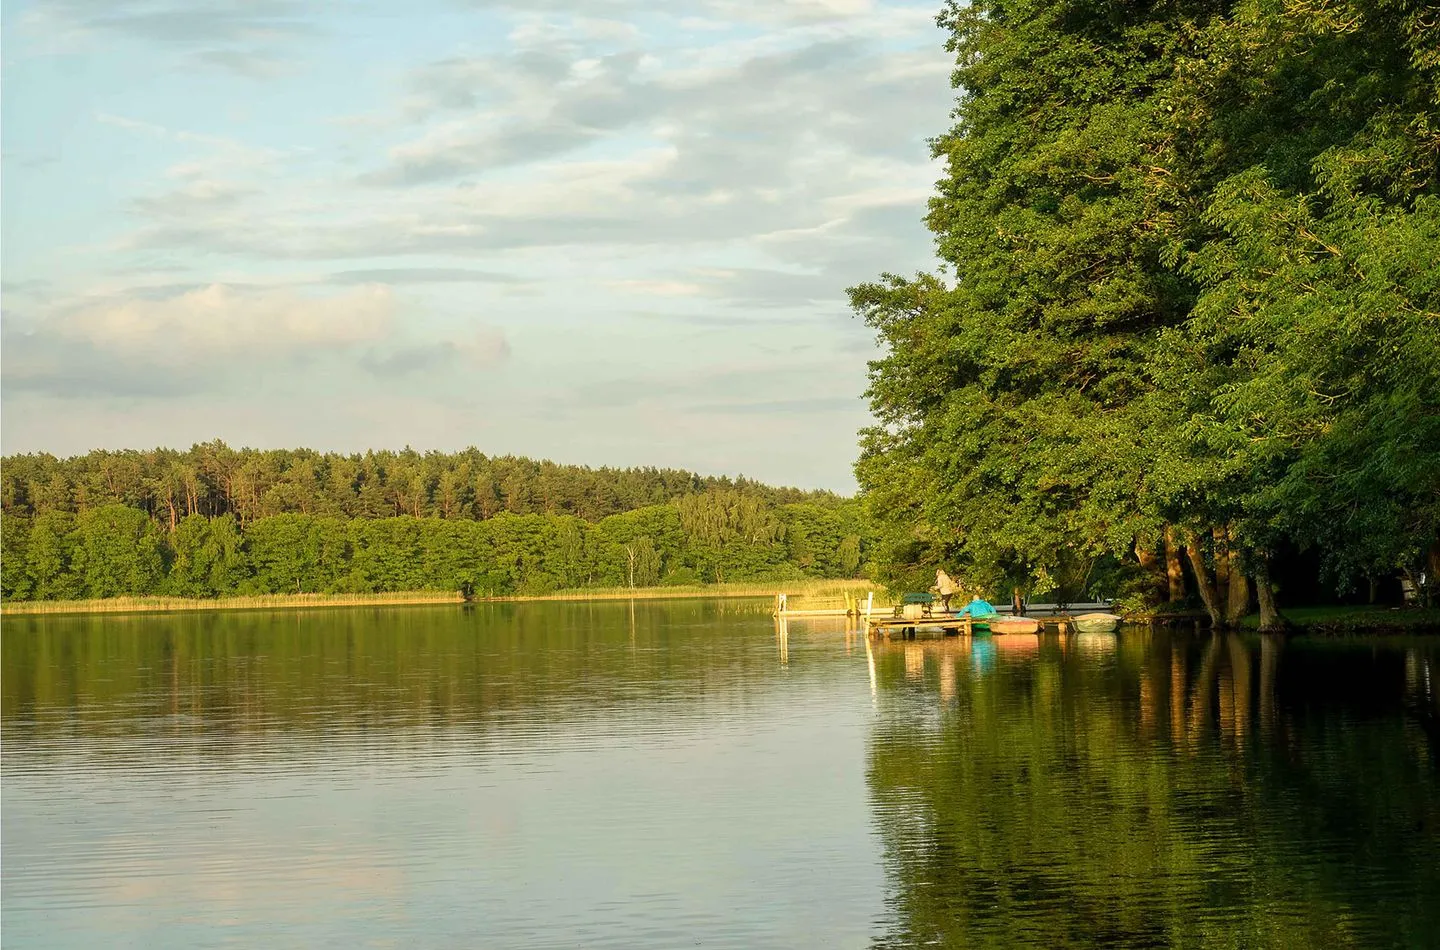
x: 686, y: 774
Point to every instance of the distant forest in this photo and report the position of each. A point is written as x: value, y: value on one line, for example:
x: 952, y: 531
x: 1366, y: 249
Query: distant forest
x: 213, y: 520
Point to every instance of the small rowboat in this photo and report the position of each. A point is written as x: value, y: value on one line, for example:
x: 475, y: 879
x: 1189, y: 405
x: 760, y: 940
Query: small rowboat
x: 1015, y: 625
x: 1096, y: 623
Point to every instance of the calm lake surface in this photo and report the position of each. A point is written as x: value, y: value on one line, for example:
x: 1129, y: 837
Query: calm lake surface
x: 672, y: 774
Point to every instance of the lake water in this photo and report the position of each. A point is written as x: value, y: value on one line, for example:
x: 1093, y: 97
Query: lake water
x: 674, y: 774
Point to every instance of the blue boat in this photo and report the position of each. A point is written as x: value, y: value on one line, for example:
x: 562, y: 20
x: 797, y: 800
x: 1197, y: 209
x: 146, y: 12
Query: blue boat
x: 979, y: 611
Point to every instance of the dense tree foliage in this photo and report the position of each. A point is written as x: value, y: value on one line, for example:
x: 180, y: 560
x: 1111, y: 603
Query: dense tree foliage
x: 729, y: 534
x: 214, y: 479
x: 1190, y: 290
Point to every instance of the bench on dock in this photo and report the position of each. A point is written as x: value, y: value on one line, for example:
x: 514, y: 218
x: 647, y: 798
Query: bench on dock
x: 906, y: 609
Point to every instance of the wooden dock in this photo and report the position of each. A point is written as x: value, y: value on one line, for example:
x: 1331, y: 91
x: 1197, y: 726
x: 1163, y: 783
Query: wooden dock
x: 888, y: 627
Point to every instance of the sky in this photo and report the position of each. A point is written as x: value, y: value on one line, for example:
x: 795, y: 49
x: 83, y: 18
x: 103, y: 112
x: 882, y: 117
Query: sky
x: 581, y: 230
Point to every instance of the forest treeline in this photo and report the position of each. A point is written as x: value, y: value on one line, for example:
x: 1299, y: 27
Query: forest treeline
x: 1187, y: 316
x: 214, y: 479
x: 214, y: 521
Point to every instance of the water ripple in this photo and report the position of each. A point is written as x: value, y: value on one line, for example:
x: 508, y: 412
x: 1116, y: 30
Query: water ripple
x: 674, y: 776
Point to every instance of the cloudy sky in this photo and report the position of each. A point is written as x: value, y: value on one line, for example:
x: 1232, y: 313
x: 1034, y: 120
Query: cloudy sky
x: 572, y: 229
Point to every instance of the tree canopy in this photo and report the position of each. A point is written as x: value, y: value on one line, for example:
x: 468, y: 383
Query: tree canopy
x: 214, y: 479
x: 1188, y: 285
x: 107, y: 524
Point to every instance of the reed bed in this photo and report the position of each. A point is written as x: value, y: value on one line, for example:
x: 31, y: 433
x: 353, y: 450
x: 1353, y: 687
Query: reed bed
x: 802, y: 595
x: 252, y: 602
x: 821, y: 593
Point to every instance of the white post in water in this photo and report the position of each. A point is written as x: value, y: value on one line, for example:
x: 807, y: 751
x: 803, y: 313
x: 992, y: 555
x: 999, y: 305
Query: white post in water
x: 869, y: 602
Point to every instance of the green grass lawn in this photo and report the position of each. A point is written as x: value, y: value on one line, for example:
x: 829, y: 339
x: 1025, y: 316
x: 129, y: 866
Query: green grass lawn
x: 1361, y: 619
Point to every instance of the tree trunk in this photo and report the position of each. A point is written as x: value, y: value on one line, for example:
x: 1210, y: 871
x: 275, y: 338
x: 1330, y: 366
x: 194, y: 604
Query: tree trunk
x: 1017, y: 602
x: 1238, y: 603
x: 1174, y: 570
x: 1432, y: 558
x: 1221, y: 551
x: 1237, y: 592
x: 1270, y: 619
x: 1203, y: 579
x: 1150, y: 564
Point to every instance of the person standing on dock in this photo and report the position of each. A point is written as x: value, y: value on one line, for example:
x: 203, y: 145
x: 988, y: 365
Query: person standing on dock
x: 946, y: 587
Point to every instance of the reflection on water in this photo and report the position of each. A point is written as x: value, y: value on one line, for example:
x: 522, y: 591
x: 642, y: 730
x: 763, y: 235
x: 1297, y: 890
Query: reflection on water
x: 541, y: 776
x: 1148, y: 790
x: 668, y: 774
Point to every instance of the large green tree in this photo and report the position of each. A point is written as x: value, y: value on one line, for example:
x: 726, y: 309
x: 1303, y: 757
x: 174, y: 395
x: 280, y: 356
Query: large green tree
x: 208, y: 557
x: 117, y: 551
x: 1189, y: 278
x: 1014, y: 427
x: 1310, y: 367
x: 15, y: 580
x: 50, y: 558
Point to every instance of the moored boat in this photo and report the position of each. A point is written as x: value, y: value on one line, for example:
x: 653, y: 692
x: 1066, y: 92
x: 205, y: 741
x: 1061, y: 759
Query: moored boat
x: 1014, y: 625
x: 982, y: 614
x: 1096, y: 623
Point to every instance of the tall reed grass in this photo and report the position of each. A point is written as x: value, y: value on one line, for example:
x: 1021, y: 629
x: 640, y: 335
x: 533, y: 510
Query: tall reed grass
x: 258, y: 601
x: 801, y: 595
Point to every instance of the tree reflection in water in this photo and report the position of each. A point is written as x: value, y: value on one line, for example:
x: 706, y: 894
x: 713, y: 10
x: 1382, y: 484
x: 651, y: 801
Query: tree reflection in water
x: 1158, y: 790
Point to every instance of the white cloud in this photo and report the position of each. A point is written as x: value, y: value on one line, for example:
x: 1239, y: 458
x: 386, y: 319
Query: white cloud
x: 722, y: 163
x: 793, y: 140
x: 221, y: 321
x: 657, y: 288
x: 158, y: 342
x: 241, y: 37
x: 482, y: 349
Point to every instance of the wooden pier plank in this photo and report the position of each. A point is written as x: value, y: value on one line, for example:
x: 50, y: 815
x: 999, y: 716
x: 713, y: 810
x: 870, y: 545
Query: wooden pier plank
x: 884, y: 626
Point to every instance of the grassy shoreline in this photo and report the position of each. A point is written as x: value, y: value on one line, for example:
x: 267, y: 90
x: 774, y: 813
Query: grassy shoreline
x: 1356, y: 620
x: 809, y: 594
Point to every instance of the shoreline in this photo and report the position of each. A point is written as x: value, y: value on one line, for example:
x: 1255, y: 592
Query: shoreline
x: 1315, y: 621
x: 1356, y: 620
x: 806, y: 595
x: 820, y: 592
